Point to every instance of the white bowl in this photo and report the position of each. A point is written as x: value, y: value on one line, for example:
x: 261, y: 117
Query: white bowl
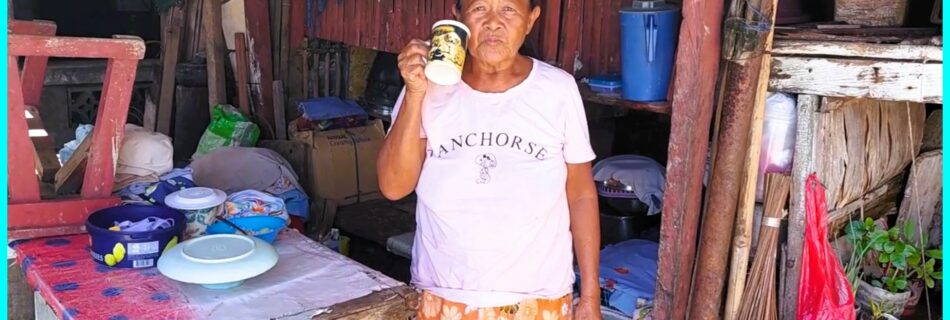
x: 200, y: 205
x: 220, y: 261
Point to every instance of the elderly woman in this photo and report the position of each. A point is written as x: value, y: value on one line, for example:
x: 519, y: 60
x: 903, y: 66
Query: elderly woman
x: 500, y: 163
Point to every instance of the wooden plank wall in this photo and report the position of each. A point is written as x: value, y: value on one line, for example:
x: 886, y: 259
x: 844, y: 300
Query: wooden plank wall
x: 587, y: 29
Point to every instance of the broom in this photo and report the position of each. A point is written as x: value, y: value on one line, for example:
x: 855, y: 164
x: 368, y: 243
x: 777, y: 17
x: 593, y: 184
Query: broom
x: 759, y: 301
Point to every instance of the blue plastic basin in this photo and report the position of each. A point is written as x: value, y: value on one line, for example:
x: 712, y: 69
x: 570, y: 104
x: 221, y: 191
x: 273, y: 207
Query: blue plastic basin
x: 263, y: 227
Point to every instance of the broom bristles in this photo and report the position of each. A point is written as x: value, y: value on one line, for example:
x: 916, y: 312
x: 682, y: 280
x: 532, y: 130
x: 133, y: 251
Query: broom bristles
x: 759, y: 301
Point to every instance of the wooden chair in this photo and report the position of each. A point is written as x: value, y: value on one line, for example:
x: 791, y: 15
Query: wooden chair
x: 30, y: 216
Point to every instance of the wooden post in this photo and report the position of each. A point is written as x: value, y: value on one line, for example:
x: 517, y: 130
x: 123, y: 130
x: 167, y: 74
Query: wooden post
x: 215, y: 52
x: 284, y: 42
x: 296, y: 75
x: 694, y: 86
x: 551, y: 26
x: 742, y: 240
x: 570, y: 38
x: 262, y: 70
x: 744, y: 62
x: 802, y: 166
x: 280, y: 115
x: 242, y: 77
x: 170, y: 50
x: 924, y: 191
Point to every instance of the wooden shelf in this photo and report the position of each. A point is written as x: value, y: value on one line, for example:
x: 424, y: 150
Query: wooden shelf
x: 661, y: 107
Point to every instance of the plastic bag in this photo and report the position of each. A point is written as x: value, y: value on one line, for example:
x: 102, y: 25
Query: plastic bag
x: 823, y: 290
x: 778, y: 138
x: 228, y: 127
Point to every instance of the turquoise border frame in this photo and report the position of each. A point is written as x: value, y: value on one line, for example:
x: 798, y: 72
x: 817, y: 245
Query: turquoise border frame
x: 3, y: 160
x: 946, y: 205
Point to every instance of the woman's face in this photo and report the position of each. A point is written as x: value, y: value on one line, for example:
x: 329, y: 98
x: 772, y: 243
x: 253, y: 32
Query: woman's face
x: 498, y: 27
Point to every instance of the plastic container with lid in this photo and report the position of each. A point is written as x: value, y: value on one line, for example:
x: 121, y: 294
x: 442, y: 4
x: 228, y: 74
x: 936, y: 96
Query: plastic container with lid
x: 200, y: 205
x: 132, y: 249
x: 648, y: 34
x: 606, y: 84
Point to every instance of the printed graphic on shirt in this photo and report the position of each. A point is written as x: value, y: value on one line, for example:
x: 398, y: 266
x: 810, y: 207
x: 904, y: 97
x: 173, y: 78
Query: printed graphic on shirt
x: 487, y: 139
x: 486, y: 162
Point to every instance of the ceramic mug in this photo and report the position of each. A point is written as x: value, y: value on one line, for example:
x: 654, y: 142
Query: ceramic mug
x: 446, y: 57
x: 199, y: 220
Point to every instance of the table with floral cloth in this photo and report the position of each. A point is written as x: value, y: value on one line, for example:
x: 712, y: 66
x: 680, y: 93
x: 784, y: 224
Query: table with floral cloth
x: 309, y: 281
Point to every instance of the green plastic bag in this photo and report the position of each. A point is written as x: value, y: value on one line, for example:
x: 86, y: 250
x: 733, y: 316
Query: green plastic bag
x: 228, y: 128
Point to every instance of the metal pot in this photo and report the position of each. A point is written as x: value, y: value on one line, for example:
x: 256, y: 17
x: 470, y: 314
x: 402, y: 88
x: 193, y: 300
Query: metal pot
x: 616, y: 228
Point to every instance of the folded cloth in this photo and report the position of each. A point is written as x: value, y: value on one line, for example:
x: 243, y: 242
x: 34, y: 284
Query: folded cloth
x: 297, y: 202
x: 628, y: 276
x: 302, y: 124
x: 144, y: 152
x: 70, y: 147
x: 155, y: 192
x: 250, y: 203
x: 147, y: 224
x: 233, y: 169
x: 646, y: 176
x: 123, y: 180
x: 328, y: 108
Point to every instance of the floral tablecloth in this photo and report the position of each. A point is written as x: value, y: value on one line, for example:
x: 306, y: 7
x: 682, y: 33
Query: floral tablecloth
x: 308, y: 279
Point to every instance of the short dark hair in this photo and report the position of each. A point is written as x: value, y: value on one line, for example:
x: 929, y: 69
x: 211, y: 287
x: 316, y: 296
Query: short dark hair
x: 533, y: 3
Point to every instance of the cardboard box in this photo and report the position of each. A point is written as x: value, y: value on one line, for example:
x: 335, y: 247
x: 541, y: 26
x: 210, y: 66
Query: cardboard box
x: 343, y: 162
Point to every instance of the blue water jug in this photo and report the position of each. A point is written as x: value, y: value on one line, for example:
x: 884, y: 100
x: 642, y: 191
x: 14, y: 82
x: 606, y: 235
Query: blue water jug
x: 648, y: 33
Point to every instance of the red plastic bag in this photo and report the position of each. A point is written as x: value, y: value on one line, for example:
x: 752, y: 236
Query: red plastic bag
x: 823, y: 290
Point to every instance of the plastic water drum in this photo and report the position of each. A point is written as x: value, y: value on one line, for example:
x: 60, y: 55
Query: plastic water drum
x: 648, y: 33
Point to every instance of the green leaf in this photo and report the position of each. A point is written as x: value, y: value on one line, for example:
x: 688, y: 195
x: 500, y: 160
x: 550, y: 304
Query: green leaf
x: 929, y: 282
x: 934, y: 253
x: 892, y: 233
x: 937, y: 275
x: 913, y: 259
x: 899, y: 261
x: 883, y: 258
x: 868, y: 222
x: 930, y: 264
x: 909, y: 229
x: 877, y: 240
x: 900, y: 284
x: 855, y: 228
x: 889, y: 247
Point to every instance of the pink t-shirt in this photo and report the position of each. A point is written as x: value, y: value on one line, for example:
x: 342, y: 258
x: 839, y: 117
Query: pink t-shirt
x: 493, y: 226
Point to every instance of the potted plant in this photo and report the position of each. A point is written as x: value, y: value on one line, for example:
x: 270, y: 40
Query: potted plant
x: 885, y: 262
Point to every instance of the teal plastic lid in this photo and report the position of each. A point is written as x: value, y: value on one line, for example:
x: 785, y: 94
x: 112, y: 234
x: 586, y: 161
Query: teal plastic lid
x: 606, y: 81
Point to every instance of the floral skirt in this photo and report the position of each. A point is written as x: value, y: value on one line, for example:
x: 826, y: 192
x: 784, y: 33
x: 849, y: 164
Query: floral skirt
x: 432, y: 307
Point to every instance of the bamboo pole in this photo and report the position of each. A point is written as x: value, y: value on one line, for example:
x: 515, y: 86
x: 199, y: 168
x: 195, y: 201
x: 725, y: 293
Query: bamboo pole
x: 742, y: 240
x: 748, y: 26
x: 693, y: 89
